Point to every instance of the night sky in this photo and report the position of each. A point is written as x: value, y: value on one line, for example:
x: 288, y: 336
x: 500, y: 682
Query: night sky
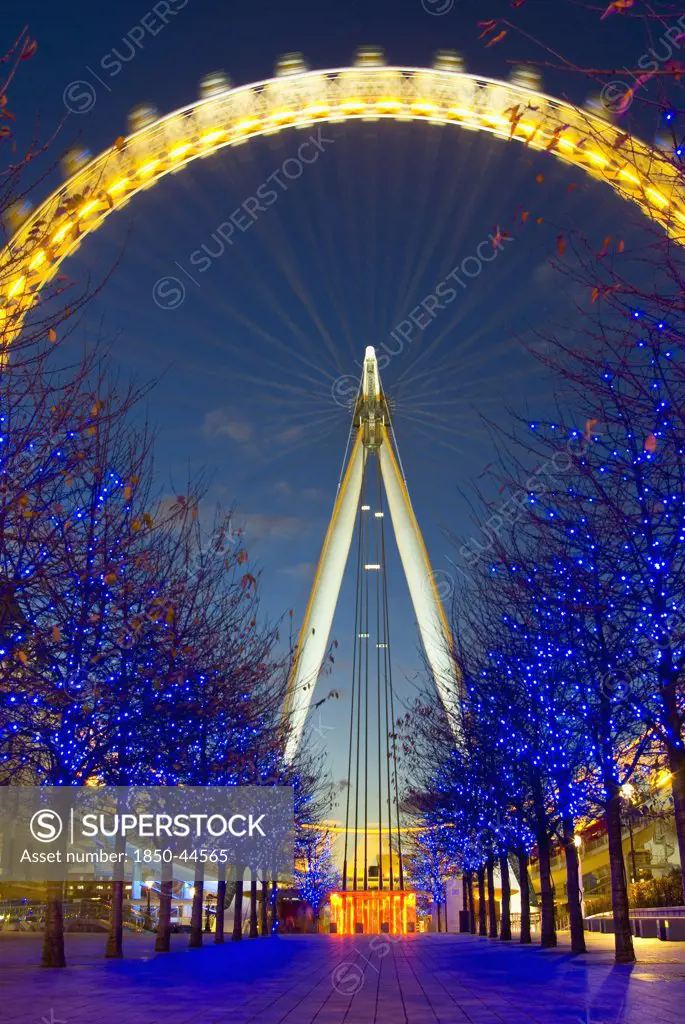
x: 247, y: 363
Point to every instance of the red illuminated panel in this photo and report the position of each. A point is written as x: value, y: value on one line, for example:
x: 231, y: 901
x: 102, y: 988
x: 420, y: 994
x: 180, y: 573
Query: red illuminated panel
x: 373, y: 913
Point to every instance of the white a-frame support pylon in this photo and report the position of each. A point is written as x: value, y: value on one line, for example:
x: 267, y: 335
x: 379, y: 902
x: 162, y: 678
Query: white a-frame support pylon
x: 371, y: 435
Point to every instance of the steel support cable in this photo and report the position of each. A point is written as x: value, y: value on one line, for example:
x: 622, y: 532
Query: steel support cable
x: 367, y: 630
x: 316, y: 222
x: 388, y: 663
x: 349, y: 443
x: 387, y: 731
x: 357, y: 641
x: 286, y: 260
x: 359, y: 673
x: 255, y: 274
x: 325, y: 231
x: 396, y: 181
x: 371, y: 236
x: 421, y: 195
x: 379, y: 641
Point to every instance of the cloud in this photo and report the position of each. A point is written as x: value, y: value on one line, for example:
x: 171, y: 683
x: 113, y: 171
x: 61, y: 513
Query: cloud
x: 262, y: 526
x: 546, y: 274
x: 218, y: 423
x: 289, y: 434
x: 301, y: 571
x: 557, y: 285
x: 286, y: 490
x: 313, y: 494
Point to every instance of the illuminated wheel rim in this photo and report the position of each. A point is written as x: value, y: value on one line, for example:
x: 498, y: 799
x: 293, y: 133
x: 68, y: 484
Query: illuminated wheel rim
x: 634, y: 170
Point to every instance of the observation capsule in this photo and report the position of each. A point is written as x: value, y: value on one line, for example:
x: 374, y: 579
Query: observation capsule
x: 448, y: 60
x: 291, y: 64
x: 73, y: 160
x: 527, y: 77
x: 141, y: 116
x: 213, y: 84
x: 369, y: 57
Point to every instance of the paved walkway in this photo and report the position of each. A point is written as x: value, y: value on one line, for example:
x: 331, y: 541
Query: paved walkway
x: 423, y: 979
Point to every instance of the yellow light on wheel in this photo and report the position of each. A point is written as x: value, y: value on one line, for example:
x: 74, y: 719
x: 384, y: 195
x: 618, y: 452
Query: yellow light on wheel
x: 148, y: 168
x: 211, y: 137
x: 657, y: 197
x: 331, y: 97
x: 244, y: 126
x: 316, y: 110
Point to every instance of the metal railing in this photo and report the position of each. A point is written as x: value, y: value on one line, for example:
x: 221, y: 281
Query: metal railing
x: 21, y: 914
x: 647, y: 912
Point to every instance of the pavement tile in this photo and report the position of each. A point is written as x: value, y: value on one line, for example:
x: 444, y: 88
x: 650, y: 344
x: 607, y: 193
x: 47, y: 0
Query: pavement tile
x: 423, y: 979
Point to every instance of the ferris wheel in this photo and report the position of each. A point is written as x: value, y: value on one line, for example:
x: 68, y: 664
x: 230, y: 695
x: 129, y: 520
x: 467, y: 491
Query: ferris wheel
x: 297, y: 97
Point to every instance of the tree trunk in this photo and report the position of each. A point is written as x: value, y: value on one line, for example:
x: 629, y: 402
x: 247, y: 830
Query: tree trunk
x: 676, y: 760
x: 254, y: 933
x: 548, y: 931
x: 238, y: 912
x: 274, y: 908
x: 482, y: 927
x: 195, y: 937
x: 492, y: 916
x: 115, y: 936
x: 230, y: 896
x: 524, y: 884
x: 439, y: 918
x: 53, y: 936
x: 575, y: 909
x: 264, y: 907
x: 505, y: 929
x: 220, y: 906
x: 472, y: 905
x: 623, y: 939
x: 163, y: 940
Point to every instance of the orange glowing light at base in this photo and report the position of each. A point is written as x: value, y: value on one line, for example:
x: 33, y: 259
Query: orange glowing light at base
x: 373, y: 913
